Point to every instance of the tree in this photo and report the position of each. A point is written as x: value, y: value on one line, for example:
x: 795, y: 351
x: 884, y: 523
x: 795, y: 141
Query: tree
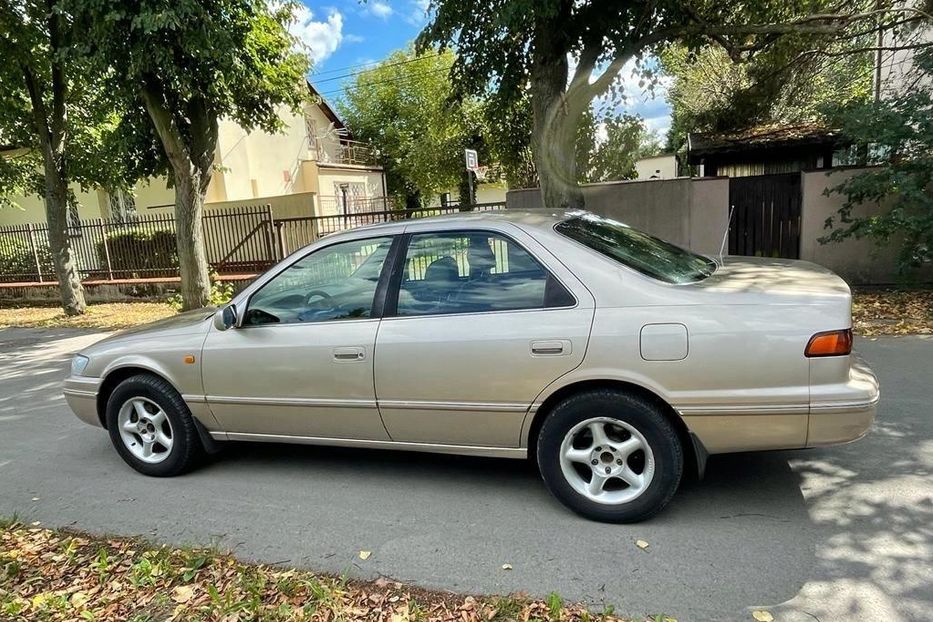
x: 405, y: 107
x: 62, y: 125
x: 608, y: 149
x: 511, y: 46
x: 189, y: 63
x: 36, y: 98
x: 899, y: 133
x: 790, y: 84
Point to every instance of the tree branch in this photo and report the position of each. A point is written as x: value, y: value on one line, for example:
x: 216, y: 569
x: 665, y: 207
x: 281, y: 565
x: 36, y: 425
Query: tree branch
x: 165, y: 126
x: 39, y: 112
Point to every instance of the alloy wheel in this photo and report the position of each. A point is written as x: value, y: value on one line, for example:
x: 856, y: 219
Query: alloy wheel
x: 145, y: 430
x: 607, y: 460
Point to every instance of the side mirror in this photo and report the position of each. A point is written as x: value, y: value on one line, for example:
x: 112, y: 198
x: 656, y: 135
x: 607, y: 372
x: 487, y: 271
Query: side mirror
x: 225, y: 318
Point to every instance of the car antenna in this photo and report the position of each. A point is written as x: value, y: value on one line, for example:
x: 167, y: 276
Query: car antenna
x: 725, y: 234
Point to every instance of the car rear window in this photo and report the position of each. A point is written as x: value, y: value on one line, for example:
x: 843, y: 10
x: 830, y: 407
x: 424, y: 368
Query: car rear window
x: 637, y: 250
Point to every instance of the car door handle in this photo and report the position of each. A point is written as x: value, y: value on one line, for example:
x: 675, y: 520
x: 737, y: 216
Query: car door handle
x: 552, y: 347
x: 349, y: 354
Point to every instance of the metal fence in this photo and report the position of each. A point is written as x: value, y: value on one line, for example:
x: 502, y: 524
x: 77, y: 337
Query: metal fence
x: 242, y: 240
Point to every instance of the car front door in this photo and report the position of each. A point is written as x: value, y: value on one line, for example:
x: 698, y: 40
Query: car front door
x: 476, y: 326
x: 301, y: 363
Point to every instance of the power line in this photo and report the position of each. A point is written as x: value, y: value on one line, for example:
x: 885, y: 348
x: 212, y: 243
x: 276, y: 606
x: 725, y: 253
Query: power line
x: 370, y: 66
x: 409, y: 79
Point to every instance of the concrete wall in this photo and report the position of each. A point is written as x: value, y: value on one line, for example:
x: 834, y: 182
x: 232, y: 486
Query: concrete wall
x: 693, y: 212
x: 857, y: 261
x: 690, y: 212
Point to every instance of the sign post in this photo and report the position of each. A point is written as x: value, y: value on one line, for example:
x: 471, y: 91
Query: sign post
x: 472, y: 163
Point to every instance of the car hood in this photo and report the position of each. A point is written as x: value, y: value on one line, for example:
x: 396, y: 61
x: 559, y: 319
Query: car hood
x: 189, y: 322
x: 781, y: 277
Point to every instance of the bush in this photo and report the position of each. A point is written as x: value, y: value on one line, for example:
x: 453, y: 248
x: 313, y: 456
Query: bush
x: 16, y: 259
x: 137, y: 249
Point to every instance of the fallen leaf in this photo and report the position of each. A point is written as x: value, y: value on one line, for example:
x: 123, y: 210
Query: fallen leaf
x: 364, y: 555
x: 641, y: 544
x: 36, y: 523
x: 506, y: 566
x: 762, y: 616
x: 35, y: 498
x: 183, y: 593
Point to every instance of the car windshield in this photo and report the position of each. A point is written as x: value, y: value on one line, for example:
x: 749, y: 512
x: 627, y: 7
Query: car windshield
x: 638, y: 250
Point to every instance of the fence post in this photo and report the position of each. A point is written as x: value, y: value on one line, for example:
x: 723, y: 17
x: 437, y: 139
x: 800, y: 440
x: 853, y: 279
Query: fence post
x: 280, y: 235
x: 103, y: 235
x: 270, y: 233
x: 35, y: 252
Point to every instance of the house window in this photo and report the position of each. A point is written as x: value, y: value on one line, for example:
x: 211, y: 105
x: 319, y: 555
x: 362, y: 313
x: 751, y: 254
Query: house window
x: 122, y: 206
x: 351, y: 197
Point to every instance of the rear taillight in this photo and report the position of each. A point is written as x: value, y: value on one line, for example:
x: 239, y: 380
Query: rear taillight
x: 830, y: 343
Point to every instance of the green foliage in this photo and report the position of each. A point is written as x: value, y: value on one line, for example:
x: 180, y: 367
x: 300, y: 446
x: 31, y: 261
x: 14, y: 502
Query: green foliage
x: 788, y: 84
x: 405, y: 108
x: 607, y: 150
x: 133, y: 250
x: 224, y: 58
x: 221, y: 294
x: 897, y: 194
x: 16, y: 258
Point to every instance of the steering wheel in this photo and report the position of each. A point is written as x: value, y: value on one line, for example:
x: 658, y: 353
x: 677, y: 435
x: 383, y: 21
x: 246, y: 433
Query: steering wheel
x: 316, y: 293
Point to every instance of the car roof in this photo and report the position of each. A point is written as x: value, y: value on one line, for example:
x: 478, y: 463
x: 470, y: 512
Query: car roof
x: 533, y: 218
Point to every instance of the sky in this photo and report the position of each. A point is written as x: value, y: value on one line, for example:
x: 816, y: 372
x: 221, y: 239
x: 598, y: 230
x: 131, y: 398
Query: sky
x: 345, y: 36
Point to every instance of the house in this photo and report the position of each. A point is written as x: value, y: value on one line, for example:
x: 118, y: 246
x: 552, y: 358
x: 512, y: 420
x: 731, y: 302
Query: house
x: 661, y: 166
x: 765, y: 150
x: 312, y: 168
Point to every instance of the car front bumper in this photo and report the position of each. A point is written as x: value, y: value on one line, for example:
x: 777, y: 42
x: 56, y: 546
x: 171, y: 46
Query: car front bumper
x: 81, y: 394
x: 845, y: 412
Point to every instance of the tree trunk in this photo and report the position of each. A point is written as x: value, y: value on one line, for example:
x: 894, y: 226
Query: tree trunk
x: 63, y: 256
x: 555, y: 119
x: 191, y: 163
x: 189, y: 240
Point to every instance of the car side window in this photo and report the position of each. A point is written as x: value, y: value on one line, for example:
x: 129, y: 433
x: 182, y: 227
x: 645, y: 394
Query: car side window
x: 337, y: 282
x: 472, y: 272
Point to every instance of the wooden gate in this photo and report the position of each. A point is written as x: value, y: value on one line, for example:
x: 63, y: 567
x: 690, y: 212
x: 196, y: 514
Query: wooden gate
x: 766, y: 215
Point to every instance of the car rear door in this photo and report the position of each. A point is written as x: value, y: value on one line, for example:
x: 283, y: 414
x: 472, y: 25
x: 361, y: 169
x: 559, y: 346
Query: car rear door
x: 477, y: 323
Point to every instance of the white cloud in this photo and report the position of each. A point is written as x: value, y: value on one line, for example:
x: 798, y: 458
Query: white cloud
x: 418, y: 15
x: 321, y: 37
x: 353, y: 38
x: 379, y: 9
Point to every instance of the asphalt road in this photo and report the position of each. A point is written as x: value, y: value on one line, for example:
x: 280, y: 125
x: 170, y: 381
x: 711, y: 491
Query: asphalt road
x: 844, y: 533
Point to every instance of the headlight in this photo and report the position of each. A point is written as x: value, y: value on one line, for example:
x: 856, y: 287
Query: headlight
x: 78, y: 363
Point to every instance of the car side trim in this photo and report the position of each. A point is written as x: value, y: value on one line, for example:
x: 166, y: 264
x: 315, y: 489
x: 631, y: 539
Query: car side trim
x: 744, y: 409
x: 290, y: 401
x: 466, y: 450
x: 820, y: 408
x: 470, y: 406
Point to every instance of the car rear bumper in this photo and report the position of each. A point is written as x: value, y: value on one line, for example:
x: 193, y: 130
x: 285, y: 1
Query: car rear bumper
x: 845, y: 413
x: 81, y: 395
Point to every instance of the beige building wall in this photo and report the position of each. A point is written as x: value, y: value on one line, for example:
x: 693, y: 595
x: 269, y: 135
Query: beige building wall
x: 659, y: 167
x: 31, y: 209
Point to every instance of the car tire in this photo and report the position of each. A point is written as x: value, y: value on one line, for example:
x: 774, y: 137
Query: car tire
x: 151, y: 427
x: 627, y: 473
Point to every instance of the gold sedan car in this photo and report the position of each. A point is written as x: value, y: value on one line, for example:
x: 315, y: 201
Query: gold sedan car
x: 614, y: 359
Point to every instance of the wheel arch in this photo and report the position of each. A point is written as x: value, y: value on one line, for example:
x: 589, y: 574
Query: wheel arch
x: 113, y: 377
x: 695, y: 453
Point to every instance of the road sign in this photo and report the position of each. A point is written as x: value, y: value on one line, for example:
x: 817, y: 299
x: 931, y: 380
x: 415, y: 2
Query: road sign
x: 472, y: 159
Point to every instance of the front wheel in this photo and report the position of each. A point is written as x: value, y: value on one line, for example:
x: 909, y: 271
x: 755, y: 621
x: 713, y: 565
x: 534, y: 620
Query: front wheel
x: 151, y: 427
x: 610, y: 456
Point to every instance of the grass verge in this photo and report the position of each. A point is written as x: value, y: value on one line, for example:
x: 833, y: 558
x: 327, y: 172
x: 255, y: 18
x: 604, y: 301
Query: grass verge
x: 108, y: 316
x: 59, y: 575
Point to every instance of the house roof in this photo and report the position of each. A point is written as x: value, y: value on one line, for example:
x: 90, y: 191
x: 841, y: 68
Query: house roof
x: 327, y: 110
x: 762, y: 137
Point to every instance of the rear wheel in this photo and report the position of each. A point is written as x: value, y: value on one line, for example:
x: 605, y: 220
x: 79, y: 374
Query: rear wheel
x: 151, y: 427
x: 610, y: 456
